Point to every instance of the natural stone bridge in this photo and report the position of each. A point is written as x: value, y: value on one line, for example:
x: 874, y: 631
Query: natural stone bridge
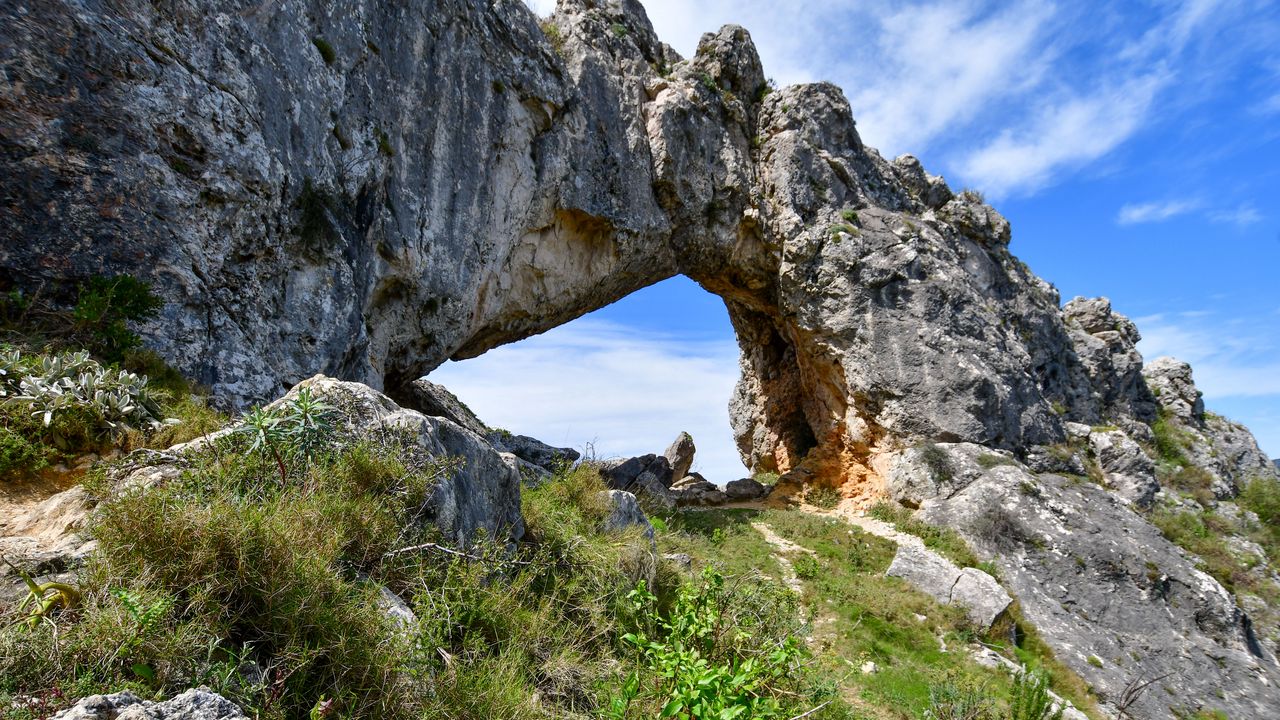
x: 367, y: 193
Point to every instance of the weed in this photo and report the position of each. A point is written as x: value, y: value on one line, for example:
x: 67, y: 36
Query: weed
x: 327, y: 53
x: 822, y: 497
x: 553, y: 35
x: 938, y: 462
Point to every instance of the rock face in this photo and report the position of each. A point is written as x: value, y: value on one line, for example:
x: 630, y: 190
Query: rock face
x: 198, y: 704
x: 1113, y: 598
x: 680, y: 455
x: 304, y: 189
x: 974, y: 590
x: 1226, y: 450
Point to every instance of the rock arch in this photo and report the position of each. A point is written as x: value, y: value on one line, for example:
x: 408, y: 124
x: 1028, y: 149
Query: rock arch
x: 455, y: 177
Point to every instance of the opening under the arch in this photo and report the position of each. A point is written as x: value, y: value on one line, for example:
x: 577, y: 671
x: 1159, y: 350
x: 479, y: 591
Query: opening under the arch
x: 621, y: 381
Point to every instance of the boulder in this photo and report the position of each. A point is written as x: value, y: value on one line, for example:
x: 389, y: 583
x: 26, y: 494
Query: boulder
x: 195, y: 704
x: 622, y: 473
x: 980, y: 594
x: 533, y: 451
x: 625, y: 512
x: 1125, y: 465
x: 745, y: 489
x: 680, y: 455
x: 652, y: 493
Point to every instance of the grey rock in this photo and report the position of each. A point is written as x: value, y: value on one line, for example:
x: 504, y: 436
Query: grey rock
x: 1171, y: 382
x: 533, y: 451
x: 480, y: 494
x: 680, y: 455
x: 625, y: 512
x: 652, y: 493
x: 976, y: 591
x: 1126, y: 467
x: 745, y: 489
x: 1106, y: 344
x: 680, y: 560
x: 622, y: 473
x: 435, y: 400
x: 935, y: 470
x: 396, y: 608
x: 306, y: 211
x: 195, y: 704
x: 1096, y: 579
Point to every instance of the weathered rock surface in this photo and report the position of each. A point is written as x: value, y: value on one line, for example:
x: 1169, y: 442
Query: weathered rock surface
x: 680, y: 455
x: 533, y: 451
x: 1126, y: 467
x: 480, y: 494
x: 976, y: 591
x: 433, y: 399
x: 745, y: 489
x: 1099, y: 582
x: 623, y: 473
x: 196, y: 704
x: 304, y: 190
x: 625, y: 512
x: 1224, y: 449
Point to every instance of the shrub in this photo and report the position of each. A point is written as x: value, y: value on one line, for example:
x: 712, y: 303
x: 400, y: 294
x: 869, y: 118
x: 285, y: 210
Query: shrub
x: 327, y: 53
x: 103, y: 308
x: 1262, y: 496
x: 938, y: 462
x: 554, y: 36
x: 705, y: 660
x: 1029, y: 698
x: 822, y: 497
x: 998, y: 527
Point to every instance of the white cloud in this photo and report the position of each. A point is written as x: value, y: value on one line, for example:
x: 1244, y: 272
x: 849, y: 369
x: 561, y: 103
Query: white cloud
x: 1154, y: 211
x: 622, y: 390
x: 1062, y: 135
x: 1229, y: 360
x: 1241, y: 216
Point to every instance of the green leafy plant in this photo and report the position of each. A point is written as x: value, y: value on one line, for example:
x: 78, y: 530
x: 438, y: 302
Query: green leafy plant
x: 1029, y: 699
x: 295, y: 429
x: 679, y: 655
x: 105, y: 305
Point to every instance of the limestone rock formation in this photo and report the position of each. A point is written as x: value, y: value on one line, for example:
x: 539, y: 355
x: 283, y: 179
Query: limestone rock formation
x: 196, y: 704
x: 1114, y: 598
x: 1224, y: 449
x: 680, y: 455
x: 304, y: 191
x: 625, y: 512
x: 977, y: 592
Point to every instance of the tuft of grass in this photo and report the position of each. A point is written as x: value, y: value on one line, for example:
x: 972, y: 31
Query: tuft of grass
x: 553, y: 35
x: 327, y: 53
x: 945, y: 541
x: 822, y: 497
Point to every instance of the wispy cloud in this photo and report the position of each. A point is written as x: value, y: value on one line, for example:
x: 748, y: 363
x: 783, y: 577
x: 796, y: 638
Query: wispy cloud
x: 1062, y: 135
x: 622, y: 390
x: 1229, y: 359
x: 1134, y: 214
x: 1242, y: 216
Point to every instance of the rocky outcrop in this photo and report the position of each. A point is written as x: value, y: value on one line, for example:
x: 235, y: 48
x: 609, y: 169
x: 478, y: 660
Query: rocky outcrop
x: 197, y: 704
x: 680, y: 455
x: 1116, y: 601
x: 303, y: 189
x: 623, y: 473
x: 625, y: 512
x: 1106, y: 344
x: 1226, y: 450
x: 970, y: 588
x: 1126, y: 467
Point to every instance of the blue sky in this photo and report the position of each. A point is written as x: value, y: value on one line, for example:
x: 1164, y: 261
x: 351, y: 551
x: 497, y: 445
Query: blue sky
x: 1135, y: 148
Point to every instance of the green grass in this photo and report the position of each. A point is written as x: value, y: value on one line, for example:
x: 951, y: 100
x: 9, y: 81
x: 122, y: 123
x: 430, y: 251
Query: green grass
x: 944, y: 541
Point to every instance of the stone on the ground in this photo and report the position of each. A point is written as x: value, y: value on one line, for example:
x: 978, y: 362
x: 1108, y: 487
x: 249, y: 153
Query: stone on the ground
x: 977, y: 592
x: 195, y: 704
x: 680, y: 455
x: 745, y: 489
x: 622, y: 473
x: 625, y: 512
